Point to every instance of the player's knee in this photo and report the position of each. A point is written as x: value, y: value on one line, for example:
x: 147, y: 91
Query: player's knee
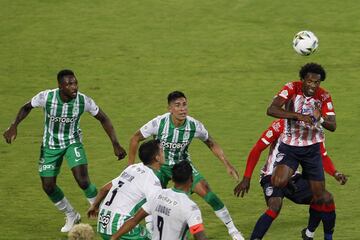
x: 328, y: 198
x: 278, y: 181
x: 275, y: 204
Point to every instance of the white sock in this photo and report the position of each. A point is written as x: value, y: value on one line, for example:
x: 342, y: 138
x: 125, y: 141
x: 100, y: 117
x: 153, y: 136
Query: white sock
x: 225, y: 217
x: 91, y: 200
x: 309, y: 234
x: 149, y: 223
x: 64, y: 206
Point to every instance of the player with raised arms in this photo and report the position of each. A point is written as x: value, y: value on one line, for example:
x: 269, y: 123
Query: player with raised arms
x: 175, y: 130
x: 63, y: 108
x: 297, y: 191
x: 124, y: 195
x: 307, y: 110
x: 173, y: 211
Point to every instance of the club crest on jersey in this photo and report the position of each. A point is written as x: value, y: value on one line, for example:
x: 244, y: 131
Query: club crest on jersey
x: 269, y: 191
x: 329, y: 105
x: 269, y: 134
x: 284, y: 93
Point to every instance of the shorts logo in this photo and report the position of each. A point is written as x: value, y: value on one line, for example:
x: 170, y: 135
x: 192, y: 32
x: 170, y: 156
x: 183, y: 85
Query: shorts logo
x: 104, y: 220
x: 279, y: 157
x: 269, y: 191
x: 46, y: 167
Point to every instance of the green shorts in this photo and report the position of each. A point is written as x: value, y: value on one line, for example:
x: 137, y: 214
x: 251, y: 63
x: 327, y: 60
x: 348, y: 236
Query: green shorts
x: 164, y: 175
x: 51, y: 159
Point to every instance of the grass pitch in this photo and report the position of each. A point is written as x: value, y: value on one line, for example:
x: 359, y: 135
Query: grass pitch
x: 230, y: 58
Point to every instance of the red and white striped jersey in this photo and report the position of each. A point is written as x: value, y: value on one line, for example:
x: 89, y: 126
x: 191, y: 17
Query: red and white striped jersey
x: 297, y: 133
x: 271, y: 137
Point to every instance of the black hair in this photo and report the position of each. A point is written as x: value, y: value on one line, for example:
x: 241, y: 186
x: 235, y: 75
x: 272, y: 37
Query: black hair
x: 312, y: 68
x: 175, y: 95
x: 63, y: 73
x: 148, y: 151
x: 181, y: 172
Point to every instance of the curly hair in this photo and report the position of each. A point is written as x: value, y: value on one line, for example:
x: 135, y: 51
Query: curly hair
x: 82, y: 231
x: 312, y: 68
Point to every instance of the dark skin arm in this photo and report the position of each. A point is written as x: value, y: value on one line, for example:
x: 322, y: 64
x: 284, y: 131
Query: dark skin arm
x: 200, y: 236
x: 329, y: 121
x: 134, y: 143
x: 275, y: 110
x: 93, y: 211
x: 11, y: 133
x: 130, y: 224
x: 119, y: 151
x: 219, y: 153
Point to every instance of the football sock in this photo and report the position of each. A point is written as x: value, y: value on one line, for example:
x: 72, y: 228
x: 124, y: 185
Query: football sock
x: 214, y: 201
x: 314, y: 218
x: 90, y: 192
x: 64, y: 206
x: 57, y: 195
x: 263, y: 224
x: 224, y: 215
x: 328, y: 219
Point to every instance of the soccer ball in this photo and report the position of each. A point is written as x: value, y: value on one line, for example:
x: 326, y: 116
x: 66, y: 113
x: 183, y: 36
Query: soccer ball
x: 305, y: 43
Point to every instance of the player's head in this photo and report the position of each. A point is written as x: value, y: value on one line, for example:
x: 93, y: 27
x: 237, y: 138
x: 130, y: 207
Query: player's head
x: 177, y: 105
x: 151, y: 152
x: 67, y: 83
x: 182, y: 173
x: 81, y: 231
x: 311, y: 75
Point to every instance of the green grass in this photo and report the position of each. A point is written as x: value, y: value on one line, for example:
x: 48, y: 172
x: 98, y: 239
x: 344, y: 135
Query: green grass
x: 230, y: 57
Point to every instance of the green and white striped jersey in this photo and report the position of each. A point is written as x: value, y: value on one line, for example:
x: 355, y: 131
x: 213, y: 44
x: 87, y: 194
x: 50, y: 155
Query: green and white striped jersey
x: 62, y: 119
x: 128, y: 193
x: 174, y: 140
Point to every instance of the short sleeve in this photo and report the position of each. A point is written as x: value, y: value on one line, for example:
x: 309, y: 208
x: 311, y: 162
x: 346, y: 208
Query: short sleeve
x: 273, y: 132
x: 39, y: 100
x: 287, y: 91
x: 151, y: 128
x: 151, y: 187
x: 90, y: 106
x: 200, y: 131
x: 193, y: 217
x: 147, y: 207
x: 327, y: 107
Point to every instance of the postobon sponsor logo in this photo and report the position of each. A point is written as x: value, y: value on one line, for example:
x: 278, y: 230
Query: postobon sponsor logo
x: 61, y: 119
x: 44, y: 167
x: 173, y: 145
x: 104, y: 220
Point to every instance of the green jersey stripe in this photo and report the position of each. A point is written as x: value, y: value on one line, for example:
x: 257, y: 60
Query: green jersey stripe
x: 59, y: 108
x: 99, y: 226
x: 115, y: 222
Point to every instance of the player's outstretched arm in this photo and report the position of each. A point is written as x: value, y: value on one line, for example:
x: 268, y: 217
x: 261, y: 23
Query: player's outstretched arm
x: 200, y: 236
x: 134, y: 143
x: 219, y: 153
x: 119, y: 151
x: 130, y: 224
x: 93, y: 211
x: 275, y: 110
x: 11, y: 132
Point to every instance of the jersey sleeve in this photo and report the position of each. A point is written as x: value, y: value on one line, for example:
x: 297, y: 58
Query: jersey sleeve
x: 269, y: 136
x: 151, y: 128
x: 147, y: 207
x: 326, y: 160
x: 39, y: 100
x: 200, y: 131
x: 287, y: 91
x: 90, y: 106
x: 194, y: 219
x: 151, y: 186
x: 327, y: 107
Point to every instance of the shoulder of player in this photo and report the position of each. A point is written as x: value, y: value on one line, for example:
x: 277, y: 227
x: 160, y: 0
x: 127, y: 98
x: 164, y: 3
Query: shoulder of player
x: 322, y: 94
x: 193, y: 120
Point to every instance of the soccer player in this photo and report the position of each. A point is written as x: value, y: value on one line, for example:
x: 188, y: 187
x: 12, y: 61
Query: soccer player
x: 308, y: 109
x: 172, y: 210
x: 175, y: 130
x: 63, y: 107
x: 298, y: 191
x: 124, y: 195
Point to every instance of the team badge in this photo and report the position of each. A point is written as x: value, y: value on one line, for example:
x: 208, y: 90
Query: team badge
x: 269, y: 134
x: 329, y: 105
x: 269, y: 191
